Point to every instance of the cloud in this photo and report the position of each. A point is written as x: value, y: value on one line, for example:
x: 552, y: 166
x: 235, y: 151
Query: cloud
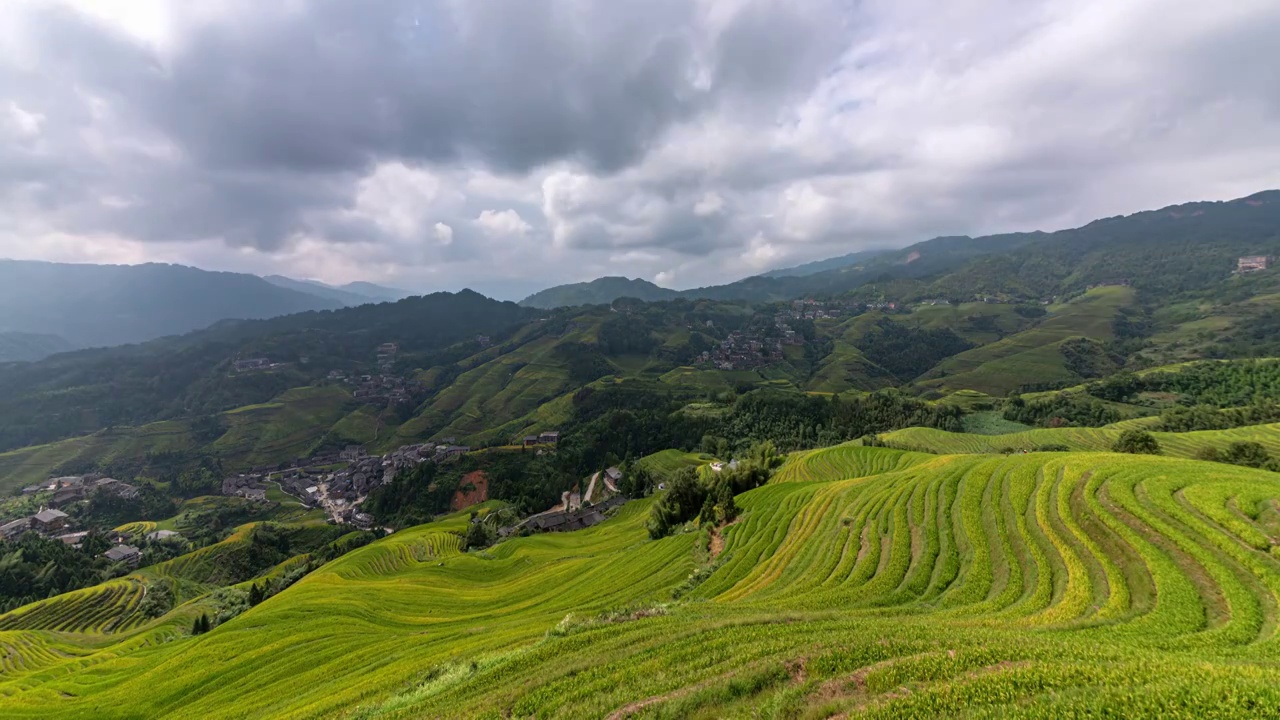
x: 443, y: 233
x: 503, y: 223
x: 426, y: 144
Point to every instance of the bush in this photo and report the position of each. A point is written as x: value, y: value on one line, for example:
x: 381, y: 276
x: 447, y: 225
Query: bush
x: 1136, y: 442
x: 1248, y: 454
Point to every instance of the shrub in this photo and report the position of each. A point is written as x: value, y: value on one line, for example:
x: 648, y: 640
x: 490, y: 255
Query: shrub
x: 1136, y: 442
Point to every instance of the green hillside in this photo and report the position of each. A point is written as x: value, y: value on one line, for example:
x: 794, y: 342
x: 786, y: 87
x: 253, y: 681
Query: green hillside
x: 1042, y: 585
x: 1186, y: 444
x: 1035, y: 355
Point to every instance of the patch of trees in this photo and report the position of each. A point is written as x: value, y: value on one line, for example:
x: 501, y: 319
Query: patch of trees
x: 1220, y: 384
x: 1206, y: 417
x: 1060, y: 411
x: 709, y: 497
x: 34, y: 568
x: 907, y: 351
x: 1247, y: 454
x: 1136, y: 442
x: 1089, y: 358
x: 585, y: 362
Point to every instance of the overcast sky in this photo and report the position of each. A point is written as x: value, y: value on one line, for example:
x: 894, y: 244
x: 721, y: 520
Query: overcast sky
x: 509, y: 145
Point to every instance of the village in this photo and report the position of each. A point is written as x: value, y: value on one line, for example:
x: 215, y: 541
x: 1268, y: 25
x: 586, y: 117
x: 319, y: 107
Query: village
x: 53, y: 523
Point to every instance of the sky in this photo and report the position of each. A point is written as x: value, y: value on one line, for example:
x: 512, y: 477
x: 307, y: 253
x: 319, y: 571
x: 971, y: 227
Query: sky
x: 511, y: 145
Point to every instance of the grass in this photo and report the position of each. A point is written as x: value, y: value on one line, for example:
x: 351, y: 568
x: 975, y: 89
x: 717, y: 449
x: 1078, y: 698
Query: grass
x: 664, y: 465
x: 1031, y: 356
x: 863, y: 582
x: 1186, y: 444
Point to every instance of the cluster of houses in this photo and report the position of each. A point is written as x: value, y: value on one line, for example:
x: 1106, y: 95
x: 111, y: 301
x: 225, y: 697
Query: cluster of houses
x: 810, y: 309
x: 741, y: 351
x: 550, y: 437
x: 316, y: 482
x: 74, y: 488
x: 56, y: 525
x: 1253, y: 263
x: 247, y: 365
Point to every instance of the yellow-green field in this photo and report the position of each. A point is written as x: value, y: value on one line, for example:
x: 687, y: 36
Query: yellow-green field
x: 1186, y: 444
x: 863, y: 582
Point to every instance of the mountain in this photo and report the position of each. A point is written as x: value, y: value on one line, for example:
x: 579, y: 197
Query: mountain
x: 105, y: 305
x: 600, y: 291
x: 351, y: 294
x: 818, y: 266
x: 194, y: 375
x: 21, y: 346
x: 1196, y: 243
x: 328, y: 292
x: 378, y: 293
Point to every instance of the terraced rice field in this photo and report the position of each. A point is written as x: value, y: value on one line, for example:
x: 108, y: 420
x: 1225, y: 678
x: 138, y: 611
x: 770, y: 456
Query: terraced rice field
x: 106, y: 608
x: 865, y: 583
x: 1089, y: 439
x: 845, y: 461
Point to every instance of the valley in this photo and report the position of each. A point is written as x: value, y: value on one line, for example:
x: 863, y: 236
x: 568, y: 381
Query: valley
x: 931, y: 492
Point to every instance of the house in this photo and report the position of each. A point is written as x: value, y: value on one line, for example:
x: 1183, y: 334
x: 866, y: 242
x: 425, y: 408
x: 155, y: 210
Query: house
x: 613, y: 474
x: 66, y: 496
x: 33, y: 489
x: 530, y: 440
x: 364, y: 521
x: 455, y: 450
x: 252, y: 364
x: 313, y: 493
x: 162, y: 535
x: 15, y: 528
x: 1252, y: 263
x: 123, y: 554
x: 717, y: 466
x: 351, y: 453
x: 49, y: 520
x: 550, y: 437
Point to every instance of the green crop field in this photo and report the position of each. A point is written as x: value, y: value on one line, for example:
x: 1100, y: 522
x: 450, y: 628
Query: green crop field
x: 1176, y: 444
x: 1033, y: 355
x: 863, y: 582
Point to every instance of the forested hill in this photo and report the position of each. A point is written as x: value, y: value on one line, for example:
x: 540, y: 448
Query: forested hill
x: 192, y: 375
x: 601, y: 291
x: 1196, y: 243
x: 104, y: 305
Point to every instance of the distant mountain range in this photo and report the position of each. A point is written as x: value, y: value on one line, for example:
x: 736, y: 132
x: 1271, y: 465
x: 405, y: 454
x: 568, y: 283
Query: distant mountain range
x: 1195, y: 243
x: 350, y: 295
x: 47, y: 308
x: 831, y: 276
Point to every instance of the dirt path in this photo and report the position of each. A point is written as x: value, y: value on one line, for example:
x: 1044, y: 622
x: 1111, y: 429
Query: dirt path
x: 591, y: 488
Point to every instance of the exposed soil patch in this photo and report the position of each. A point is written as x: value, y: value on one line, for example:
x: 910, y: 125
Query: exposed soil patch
x: 473, y: 490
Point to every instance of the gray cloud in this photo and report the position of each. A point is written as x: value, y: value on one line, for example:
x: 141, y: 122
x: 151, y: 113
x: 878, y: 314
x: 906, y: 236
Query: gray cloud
x: 698, y: 141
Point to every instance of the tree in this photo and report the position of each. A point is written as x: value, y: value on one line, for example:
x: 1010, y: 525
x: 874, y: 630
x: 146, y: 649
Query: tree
x: 255, y: 594
x: 1137, y: 442
x: 1249, y: 454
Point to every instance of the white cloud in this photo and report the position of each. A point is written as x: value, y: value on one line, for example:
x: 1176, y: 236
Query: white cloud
x: 503, y: 223
x: 769, y: 133
x: 25, y: 124
x: 710, y: 204
x: 444, y: 234
x: 399, y: 199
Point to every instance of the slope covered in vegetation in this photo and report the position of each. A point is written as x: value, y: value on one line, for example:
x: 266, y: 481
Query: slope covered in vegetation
x: 1042, y: 585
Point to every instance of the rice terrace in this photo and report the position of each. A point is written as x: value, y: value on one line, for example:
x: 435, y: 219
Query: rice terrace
x: 626, y: 360
x: 864, y: 582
